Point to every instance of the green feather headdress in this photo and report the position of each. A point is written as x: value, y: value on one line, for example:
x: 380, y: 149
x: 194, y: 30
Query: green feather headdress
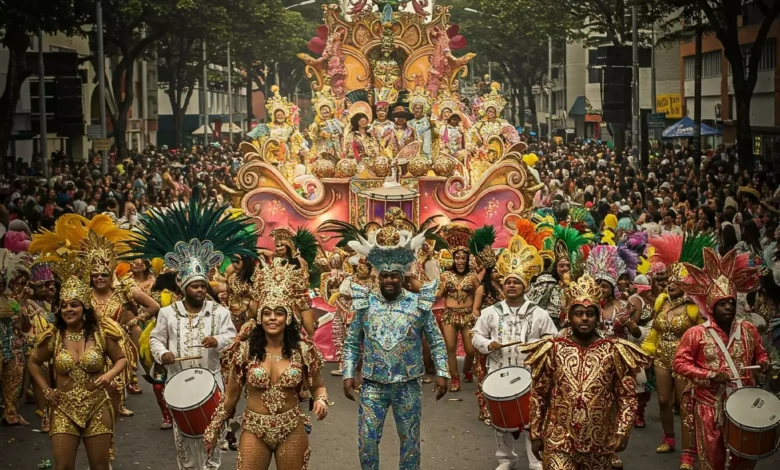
x: 481, y: 245
x: 193, y: 239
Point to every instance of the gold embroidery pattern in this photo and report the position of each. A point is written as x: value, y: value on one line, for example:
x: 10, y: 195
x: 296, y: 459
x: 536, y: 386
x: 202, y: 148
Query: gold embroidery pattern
x: 459, y: 289
x: 670, y: 332
x: 273, y: 429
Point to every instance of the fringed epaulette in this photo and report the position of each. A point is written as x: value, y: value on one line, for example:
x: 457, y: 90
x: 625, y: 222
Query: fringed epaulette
x: 46, y: 336
x: 427, y: 296
x: 233, y: 358
x: 659, y: 302
x: 538, y: 355
x: 312, y: 358
x: 359, y: 296
x: 631, y: 355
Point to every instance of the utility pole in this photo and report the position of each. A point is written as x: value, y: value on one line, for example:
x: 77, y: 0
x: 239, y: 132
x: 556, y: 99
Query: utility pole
x: 550, y: 92
x: 697, y: 96
x: 653, y: 90
x: 101, y: 71
x: 205, y: 90
x: 44, y: 143
x: 635, y: 80
x: 230, y: 95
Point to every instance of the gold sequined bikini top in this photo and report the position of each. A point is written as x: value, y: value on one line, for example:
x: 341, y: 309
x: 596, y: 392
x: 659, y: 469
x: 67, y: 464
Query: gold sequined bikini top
x: 258, y: 376
x: 91, y: 362
x: 460, y: 290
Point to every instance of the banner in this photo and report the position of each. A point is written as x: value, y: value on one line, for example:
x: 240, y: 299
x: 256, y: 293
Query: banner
x: 670, y: 104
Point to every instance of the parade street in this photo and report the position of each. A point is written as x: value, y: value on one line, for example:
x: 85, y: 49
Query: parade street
x: 452, y: 438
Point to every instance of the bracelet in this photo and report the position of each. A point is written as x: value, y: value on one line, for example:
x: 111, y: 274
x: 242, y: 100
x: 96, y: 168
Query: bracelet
x: 112, y: 373
x: 48, y: 393
x: 323, y: 398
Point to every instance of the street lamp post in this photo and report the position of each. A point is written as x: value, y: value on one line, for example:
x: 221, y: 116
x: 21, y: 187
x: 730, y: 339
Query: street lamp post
x: 101, y: 71
x: 205, y: 90
x: 230, y: 95
x: 44, y: 143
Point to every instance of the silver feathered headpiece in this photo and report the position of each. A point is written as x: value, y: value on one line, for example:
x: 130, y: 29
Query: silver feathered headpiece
x: 389, y: 249
x: 193, y: 261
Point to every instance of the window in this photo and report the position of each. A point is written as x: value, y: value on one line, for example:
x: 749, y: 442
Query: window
x: 594, y: 75
x: 768, y: 56
x: 710, y: 65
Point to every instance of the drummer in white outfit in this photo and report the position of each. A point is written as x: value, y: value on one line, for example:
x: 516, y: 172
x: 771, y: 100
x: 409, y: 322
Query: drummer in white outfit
x: 194, y: 327
x: 512, y: 320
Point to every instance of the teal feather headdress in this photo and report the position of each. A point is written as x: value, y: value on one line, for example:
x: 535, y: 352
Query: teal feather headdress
x: 193, y: 239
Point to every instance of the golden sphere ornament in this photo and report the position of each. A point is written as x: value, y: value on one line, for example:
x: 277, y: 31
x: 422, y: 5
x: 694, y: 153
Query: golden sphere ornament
x: 381, y: 167
x: 346, y: 168
x: 323, y: 168
x: 418, y: 166
x: 444, y: 167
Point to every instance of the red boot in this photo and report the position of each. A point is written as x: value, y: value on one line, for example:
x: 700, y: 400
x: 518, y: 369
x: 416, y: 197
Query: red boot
x: 667, y: 445
x: 167, y: 421
x: 455, y: 384
x: 643, y: 398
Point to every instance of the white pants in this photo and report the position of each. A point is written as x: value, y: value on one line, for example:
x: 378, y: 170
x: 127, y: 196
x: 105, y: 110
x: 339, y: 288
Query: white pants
x: 506, y: 450
x: 191, y: 453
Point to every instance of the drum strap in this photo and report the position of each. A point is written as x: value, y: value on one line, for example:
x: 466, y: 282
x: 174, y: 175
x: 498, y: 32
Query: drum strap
x: 725, y: 351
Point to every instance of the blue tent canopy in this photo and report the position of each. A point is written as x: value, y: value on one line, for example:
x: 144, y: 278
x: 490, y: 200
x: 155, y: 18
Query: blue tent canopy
x: 684, y: 128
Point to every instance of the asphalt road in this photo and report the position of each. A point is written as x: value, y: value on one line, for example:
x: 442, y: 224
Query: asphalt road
x: 452, y: 438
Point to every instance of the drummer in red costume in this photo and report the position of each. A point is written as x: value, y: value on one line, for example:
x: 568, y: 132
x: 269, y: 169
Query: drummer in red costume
x: 712, y: 355
x: 514, y: 320
x: 194, y: 328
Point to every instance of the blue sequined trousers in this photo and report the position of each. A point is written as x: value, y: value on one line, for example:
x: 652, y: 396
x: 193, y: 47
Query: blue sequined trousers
x: 375, y: 399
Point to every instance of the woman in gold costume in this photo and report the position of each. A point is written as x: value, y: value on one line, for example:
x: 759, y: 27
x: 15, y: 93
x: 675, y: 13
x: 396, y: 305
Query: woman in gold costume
x: 96, y: 243
x: 462, y: 302
x: 143, y: 276
x: 87, y: 357
x: 359, y: 143
x: 297, y: 250
x: 236, y: 292
x: 675, y: 314
x: 278, y: 369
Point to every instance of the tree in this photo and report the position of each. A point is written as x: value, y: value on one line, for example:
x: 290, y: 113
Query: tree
x: 180, y: 58
x: 724, y: 18
x: 20, y: 20
x: 267, y: 35
x: 131, y: 27
x: 597, y: 21
x: 524, y: 24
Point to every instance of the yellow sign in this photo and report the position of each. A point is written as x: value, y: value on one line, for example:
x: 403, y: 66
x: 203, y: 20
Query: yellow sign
x: 100, y: 145
x: 670, y: 104
x: 757, y: 149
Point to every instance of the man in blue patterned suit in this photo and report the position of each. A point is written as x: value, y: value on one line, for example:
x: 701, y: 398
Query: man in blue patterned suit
x: 389, y: 325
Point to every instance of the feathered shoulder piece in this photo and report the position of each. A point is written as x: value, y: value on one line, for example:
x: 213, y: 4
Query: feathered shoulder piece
x: 534, y: 234
x: 631, y: 355
x: 12, y: 264
x: 229, y: 234
x: 539, y: 355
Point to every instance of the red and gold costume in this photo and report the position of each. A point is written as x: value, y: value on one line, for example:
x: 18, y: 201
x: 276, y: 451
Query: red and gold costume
x: 239, y: 296
x: 582, y: 397
x: 702, y: 351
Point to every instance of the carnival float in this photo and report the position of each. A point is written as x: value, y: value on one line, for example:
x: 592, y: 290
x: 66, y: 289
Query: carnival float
x: 391, y: 131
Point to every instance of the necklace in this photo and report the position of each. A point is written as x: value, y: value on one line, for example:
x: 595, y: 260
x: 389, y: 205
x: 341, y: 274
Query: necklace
x: 276, y: 357
x: 75, y: 337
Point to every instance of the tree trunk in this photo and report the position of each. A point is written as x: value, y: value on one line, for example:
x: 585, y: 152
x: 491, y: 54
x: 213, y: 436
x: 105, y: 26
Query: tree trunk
x: 743, y: 94
x: 250, y: 112
x: 178, y: 119
x: 16, y: 73
x: 529, y: 93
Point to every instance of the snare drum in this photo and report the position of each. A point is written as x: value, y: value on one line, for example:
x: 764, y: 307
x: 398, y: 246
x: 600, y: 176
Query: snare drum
x: 507, y: 392
x: 192, y: 395
x: 752, y: 428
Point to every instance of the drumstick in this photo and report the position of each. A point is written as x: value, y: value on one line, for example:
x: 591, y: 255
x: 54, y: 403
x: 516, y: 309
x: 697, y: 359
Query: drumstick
x: 755, y: 367
x: 515, y: 343
x: 188, y: 358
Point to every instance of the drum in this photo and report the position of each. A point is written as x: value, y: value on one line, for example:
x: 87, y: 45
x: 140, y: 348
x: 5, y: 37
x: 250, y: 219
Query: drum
x: 507, y: 392
x: 192, y: 395
x: 752, y: 428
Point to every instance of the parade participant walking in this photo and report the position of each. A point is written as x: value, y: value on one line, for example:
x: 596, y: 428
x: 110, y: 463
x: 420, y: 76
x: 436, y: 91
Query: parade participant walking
x: 87, y: 355
x: 195, y: 327
x: 713, y: 355
x: 278, y: 369
x: 38, y: 315
x: 581, y: 415
x: 11, y: 343
x: 675, y: 314
x: 459, y: 287
x: 515, y: 319
x: 389, y: 326
x: 491, y: 292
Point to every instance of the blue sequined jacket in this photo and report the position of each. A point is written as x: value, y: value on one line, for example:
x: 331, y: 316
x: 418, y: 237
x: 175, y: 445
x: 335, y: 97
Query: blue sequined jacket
x: 391, y: 335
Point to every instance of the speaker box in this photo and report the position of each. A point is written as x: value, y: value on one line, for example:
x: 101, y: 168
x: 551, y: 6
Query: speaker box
x: 615, y: 56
